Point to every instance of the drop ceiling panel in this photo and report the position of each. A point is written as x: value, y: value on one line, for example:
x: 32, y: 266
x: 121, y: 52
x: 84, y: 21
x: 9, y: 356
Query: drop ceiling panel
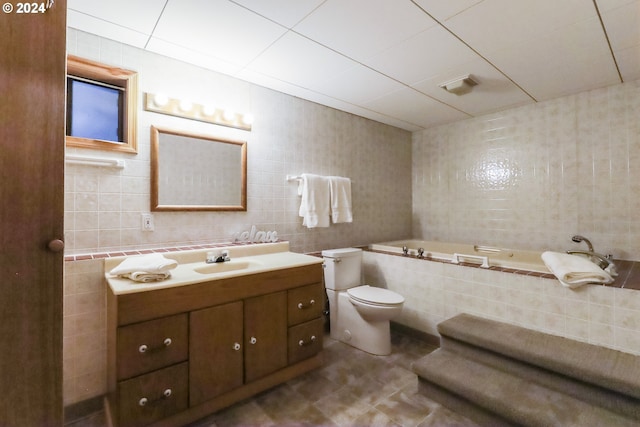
x: 284, y: 12
x: 424, y: 55
x: 299, y: 61
x: 443, y: 10
x: 416, y: 108
x: 190, y: 56
x: 140, y: 16
x: 564, y: 61
x: 358, y: 84
x: 102, y: 28
x: 361, y: 28
x: 622, y: 22
x: 218, y: 28
x: 498, y: 24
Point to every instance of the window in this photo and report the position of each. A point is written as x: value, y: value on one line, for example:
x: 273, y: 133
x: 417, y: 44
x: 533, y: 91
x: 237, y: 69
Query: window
x: 101, y: 106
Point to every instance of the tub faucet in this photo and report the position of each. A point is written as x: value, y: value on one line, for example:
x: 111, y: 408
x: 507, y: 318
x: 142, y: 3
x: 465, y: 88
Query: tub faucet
x: 405, y: 251
x: 602, y: 261
x: 577, y: 238
x: 420, y: 253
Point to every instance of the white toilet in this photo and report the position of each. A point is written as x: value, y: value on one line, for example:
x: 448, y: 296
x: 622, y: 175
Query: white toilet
x: 359, y: 314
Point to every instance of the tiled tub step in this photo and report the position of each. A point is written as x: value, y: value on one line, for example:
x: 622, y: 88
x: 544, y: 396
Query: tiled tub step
x: 500, y: 374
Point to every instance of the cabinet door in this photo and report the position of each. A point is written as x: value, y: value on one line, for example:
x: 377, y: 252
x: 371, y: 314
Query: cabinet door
x: 265, y: 335
x: 215, y: 351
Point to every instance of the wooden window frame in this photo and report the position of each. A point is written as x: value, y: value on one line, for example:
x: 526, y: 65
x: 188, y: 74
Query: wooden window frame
x: 126, y: 79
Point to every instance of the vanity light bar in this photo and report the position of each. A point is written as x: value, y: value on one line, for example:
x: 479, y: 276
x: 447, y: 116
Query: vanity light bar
x: 162, y: 104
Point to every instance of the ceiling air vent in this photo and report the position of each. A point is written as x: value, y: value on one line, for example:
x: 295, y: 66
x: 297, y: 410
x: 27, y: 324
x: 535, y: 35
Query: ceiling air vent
x: 460, y: 85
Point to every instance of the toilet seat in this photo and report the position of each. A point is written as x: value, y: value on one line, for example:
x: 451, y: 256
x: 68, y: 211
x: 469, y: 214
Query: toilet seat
x: 375, y: 296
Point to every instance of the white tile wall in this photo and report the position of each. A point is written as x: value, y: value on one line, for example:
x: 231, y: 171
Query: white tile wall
x: 531, y: 177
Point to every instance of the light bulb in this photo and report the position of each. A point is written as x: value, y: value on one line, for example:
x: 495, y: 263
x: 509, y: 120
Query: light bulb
x: 208, y: 110
x: 229, y: 115
x: 185, y: 105
x: 160, y: 99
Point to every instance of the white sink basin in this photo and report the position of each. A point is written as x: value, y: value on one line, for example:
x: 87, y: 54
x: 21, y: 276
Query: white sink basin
x: 223, y: 267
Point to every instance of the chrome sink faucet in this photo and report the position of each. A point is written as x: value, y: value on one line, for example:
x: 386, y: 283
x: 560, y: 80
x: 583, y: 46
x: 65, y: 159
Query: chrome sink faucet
x: 213, y: 257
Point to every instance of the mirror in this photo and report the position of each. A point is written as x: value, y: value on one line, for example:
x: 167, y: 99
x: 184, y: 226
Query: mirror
x: 191, y: 172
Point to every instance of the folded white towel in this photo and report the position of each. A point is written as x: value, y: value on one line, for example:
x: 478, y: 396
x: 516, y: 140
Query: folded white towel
x: 340, y: 189
x: 151, y: 263
x: 315, y: 203
x: 144, y: 277
x: 574, y: 270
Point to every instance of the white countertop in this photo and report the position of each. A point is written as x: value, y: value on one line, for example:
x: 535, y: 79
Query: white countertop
x: 185, y: 273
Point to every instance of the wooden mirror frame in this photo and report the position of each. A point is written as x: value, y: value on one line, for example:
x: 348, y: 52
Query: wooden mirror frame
x: 155, y: 173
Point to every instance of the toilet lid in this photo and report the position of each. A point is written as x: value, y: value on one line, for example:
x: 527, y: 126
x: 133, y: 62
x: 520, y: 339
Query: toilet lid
x: 370, y: 294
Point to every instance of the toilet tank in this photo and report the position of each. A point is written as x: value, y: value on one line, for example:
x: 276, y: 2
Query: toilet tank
x: 342, y: 268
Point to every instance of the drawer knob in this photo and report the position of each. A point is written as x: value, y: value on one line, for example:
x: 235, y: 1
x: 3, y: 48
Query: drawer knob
x: 165, y: 394
x: 236, y: 346
x: 144, y: 348
x: 303, y: 343
x: 253, y: 340
x: 302, y: 306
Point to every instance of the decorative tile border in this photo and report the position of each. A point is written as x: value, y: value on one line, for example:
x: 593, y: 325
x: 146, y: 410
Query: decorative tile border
x: 102, y: 255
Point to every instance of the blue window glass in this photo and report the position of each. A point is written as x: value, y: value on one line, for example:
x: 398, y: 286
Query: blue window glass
x: 94, y: 111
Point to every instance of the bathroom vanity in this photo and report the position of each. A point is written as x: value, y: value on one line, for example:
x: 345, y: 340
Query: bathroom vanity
x: 211, y: 335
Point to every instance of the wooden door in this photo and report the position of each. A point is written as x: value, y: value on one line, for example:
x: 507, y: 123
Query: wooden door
x: 215, y: 351
x: 32, y: 120
x: 265, y: 335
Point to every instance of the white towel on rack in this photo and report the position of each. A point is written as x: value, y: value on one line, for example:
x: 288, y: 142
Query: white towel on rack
x: 315, y: 203
x: 574, y: 270
x: 340, y: 188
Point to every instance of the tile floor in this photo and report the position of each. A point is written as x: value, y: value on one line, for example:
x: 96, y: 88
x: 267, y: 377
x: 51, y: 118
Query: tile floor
x: 353, y: 388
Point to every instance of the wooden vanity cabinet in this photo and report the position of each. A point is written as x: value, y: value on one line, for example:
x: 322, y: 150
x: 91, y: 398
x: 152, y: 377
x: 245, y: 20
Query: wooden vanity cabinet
x: 236, y: 343
x: 229, y: 339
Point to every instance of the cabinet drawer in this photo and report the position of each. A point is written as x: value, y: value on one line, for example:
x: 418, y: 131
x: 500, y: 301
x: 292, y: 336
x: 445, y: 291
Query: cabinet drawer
x: 305, y: 340
x: 305, y: 303
x: 147, y: 346
x: 151, y: 397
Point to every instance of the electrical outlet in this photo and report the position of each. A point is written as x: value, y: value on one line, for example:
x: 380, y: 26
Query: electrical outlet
x: 147, y: 222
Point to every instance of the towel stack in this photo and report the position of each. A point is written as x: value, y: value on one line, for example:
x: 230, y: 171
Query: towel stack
x: 145, y: 268
x: 324, y: 199
x: 574, y: 270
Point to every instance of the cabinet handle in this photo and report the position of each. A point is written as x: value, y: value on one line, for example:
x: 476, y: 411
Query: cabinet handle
x: 236, y: 346
x: 302, y: 306
x: 253, y: 340
x: 165, y: 394
x: 303, y: 343
x: 144, y: 348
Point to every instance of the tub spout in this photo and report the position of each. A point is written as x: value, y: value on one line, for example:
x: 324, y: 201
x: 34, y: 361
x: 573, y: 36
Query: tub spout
x: 577, y: 238
x: 420, y: 253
